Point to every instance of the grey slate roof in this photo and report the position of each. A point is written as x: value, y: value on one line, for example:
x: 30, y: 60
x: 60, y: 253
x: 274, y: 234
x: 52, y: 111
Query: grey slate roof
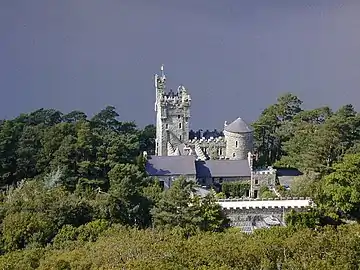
x: 170, y: 165
x: 222, y: 168
x: 238, y: 126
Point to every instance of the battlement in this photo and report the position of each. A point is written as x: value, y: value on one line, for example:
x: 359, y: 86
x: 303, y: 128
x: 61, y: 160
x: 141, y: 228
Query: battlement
x: 181, y: 94
x: 268, y: 170
x: 210, y: 140
x: 282, y: 203
x: 259, y: 199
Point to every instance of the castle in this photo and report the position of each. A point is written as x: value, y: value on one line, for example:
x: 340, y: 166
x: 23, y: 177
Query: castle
x: 172, y: 129
x: 210, y: 161
x: 213, y: 161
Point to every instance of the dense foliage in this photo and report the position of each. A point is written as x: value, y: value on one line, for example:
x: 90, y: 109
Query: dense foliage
x: 66, y: 178
x: 125, y: 248
x: 236, y: 189
x: 75, y: 195
x: 310, y: 140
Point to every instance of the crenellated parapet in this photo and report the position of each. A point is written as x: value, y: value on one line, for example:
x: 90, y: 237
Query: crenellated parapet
x: 218, y: 141
x: 179, y: 98
x: 268, y: 170
x: 245, y: 199
x: 282, y: 203
x: 213, y: 148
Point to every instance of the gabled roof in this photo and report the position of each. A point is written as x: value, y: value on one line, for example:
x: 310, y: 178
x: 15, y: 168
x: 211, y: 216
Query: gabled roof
x: 170, y: 165
x: 222, y: 168
x: 238, y: 126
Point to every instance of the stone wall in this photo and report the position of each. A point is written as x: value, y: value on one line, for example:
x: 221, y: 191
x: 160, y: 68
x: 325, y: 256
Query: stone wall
x: 213, y: 147
x: 166, y: 181
x: 238, y: 145
x: 259, y: 178
x: 250, y: 219
x: 219, y: 180
x: 251, y: 214
x: 172, y: 120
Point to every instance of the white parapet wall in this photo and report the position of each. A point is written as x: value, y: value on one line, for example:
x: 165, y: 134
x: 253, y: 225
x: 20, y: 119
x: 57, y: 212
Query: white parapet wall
x: 275, y: 203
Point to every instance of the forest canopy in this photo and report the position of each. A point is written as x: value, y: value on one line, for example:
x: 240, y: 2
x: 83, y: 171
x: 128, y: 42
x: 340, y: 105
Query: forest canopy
x: 75, y: 195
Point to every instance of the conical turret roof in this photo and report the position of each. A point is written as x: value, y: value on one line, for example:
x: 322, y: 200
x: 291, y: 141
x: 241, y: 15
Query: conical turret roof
x: 238, y: 126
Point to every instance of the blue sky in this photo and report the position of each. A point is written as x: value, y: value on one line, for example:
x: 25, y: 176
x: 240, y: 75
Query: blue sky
x: 234, y: 56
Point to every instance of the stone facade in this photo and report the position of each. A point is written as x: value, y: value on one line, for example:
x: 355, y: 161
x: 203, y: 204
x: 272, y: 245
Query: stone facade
x: 249, y: 215
x: 213, y: 181
x: 172, y: 116
x: 260, y: 178
x: 166, y: 181
x: 238, y: 145
x: 214, y: 148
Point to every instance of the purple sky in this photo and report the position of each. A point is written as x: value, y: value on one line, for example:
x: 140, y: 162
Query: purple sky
x: 234, y: 56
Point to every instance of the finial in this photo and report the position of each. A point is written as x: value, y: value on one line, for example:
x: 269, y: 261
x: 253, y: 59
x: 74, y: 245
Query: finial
x: 162, y: 71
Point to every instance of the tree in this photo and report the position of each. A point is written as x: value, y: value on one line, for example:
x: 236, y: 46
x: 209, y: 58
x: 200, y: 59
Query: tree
x: 175, y: 208
x: 273, y: 128
x: 106, y: 119
x: 8, y: 138
x: 342, y: 187
x: 147, y: 139
x: 181, y: 208
x: 306, y: 185
x: 321, y: 138
x: 235, y: 189
x: 34, y: 212
x: 129, y: 205
x: 74, y: 116
x: 266, y: 193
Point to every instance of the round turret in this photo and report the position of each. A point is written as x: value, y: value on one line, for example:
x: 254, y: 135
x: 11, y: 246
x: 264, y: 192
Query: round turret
x: 239, y: 139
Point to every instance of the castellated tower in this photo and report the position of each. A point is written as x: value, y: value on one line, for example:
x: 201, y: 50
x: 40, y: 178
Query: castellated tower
x: 239, y: 139
x: 172, y: 116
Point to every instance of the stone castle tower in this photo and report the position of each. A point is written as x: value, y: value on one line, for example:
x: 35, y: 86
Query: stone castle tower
x: 172, y: 116
x: 172, y: 129
x: 239, y: 139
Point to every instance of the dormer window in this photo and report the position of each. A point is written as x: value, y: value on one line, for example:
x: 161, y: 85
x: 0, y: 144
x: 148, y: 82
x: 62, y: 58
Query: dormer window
x: 180, y: 126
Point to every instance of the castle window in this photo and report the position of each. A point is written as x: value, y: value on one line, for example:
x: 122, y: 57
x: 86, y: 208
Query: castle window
x: 180, y: 126
x: 180, y: 137
x: 166, y: 126
x: 234, y: 155
x: 179, y: 116
x: 236, y: 144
